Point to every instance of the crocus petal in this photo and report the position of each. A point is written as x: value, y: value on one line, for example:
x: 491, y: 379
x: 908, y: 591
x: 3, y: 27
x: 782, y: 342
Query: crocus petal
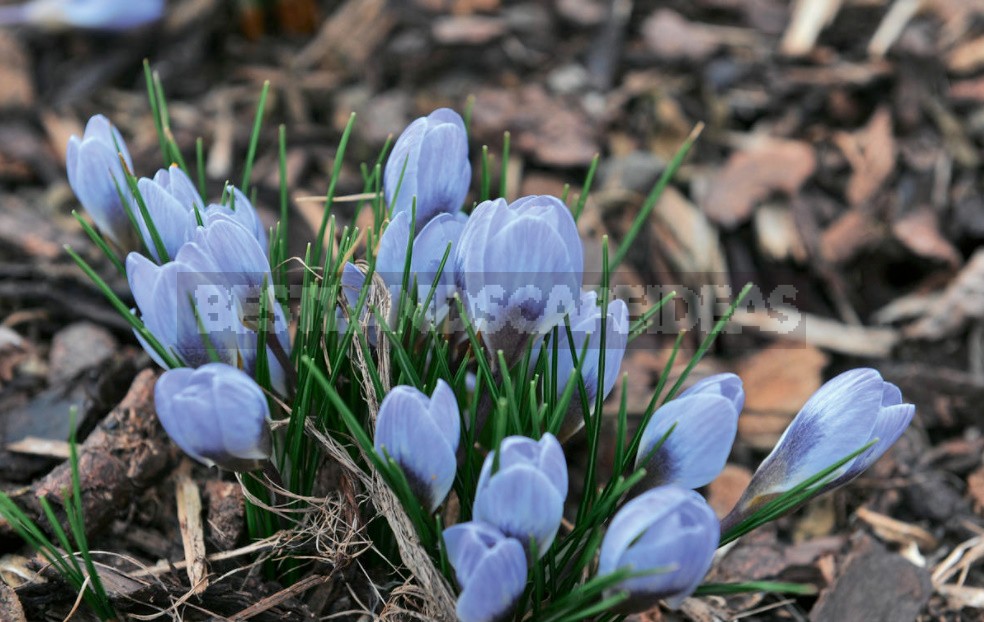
x: 668, y: 530
x: 413, y: 431
x: 698, y: 447
x: 523, y: 504
x: 490, y: 567
x: 429, y: 163
x: 727, y: 385
x: 216, y: 414
x: 173, y: 222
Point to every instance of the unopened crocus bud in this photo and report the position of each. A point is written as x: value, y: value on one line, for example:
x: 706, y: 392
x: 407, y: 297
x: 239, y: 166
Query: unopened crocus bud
x: 95, y: 172
x: 240, y: 209
x: 519, y: 267
x: 171, y: 205
x: 586, y: 329
x: 490, y: 568
x: 431, y: 156
x: 669, y: 534
x: 704, y: 421
x: 421, y: 435
x: 845, y: 414
x: 217, y: 414
x: 85, y: 14
x: 524, y: 498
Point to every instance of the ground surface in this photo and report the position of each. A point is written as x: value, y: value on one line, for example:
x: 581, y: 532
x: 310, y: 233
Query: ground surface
x: 839, y: 170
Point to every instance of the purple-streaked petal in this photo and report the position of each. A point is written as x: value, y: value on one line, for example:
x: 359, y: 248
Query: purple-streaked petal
x: 697, y: 449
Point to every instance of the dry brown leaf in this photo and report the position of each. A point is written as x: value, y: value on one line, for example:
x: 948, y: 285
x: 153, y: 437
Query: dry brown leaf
x: 777, y: 234
x: 871, y: 153
x: 920, y: 233
x: 752, y: 175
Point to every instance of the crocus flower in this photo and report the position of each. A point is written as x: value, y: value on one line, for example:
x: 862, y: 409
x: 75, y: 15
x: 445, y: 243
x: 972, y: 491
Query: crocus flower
x: 668, y: 533
x: 429, y: 247
x: 217, y: 414
x: 524, y: 499
x: 519, y: 269
x: 86, y: 14
x: 490, y: 568
x: 171, y: 199
x: 222, y: 271
x: 432, y: 156
x: 586, y: 328
x: 95, y: 171
x: 705, y: 417
x: 240, y: 209
x: 848, y: 412
x: 421, y: 435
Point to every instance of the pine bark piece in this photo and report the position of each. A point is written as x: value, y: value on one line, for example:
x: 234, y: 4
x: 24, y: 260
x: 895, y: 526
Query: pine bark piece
x: 124, y: 455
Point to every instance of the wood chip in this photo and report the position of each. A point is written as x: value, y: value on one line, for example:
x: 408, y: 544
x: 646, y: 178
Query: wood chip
x: 671, y: 36
x: 777, y: 234
x: 951, y: 310
x: 15, y: 74
x: 750, y: 176
x: 809, y: 19
x: 876, y: 585
x: 723, y: 493
x: 967, y: 57
x: 467, y: 30
x: 919, y: 231
x: 780, y: 378
x: 45, y: 447
x: 853, y: 232
x: 821, y: 332
x: 190, y: 522
x: 688, y: 239
x: 871, y: 153
x: 896, y: 531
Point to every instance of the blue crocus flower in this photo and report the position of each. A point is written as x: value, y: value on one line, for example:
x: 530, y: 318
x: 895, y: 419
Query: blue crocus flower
x: 171, y: 199
x: 421, y: 435
x: 85, y: 14
x: 519, y: 269
x: 432, y: 156
x: 586, y: 328
x: 491, y: 570
x: 221, y: 273
x: 217, y: 414
x: 524, y: 498
x: 846, y: 413
x: 95, y: 171
x: 240, y: 209
x: 705, y: 417
x: 429, y: 247
x: 668, y: 533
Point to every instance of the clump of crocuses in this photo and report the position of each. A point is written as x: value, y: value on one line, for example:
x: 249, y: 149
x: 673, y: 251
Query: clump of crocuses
x: 478, y: 449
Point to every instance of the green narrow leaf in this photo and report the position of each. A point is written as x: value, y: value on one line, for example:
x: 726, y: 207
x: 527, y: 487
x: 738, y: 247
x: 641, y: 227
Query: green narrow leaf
x: 254, y: 137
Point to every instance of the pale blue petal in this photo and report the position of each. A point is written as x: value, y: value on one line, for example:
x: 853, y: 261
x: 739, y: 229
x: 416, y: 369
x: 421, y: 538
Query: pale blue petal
x: 496, y: 584
x: 727, y: 385
x: 697, y: 449
x: 522, y: 503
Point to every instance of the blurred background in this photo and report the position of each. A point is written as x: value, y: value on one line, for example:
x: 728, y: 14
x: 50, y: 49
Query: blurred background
x: 838, y: 168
